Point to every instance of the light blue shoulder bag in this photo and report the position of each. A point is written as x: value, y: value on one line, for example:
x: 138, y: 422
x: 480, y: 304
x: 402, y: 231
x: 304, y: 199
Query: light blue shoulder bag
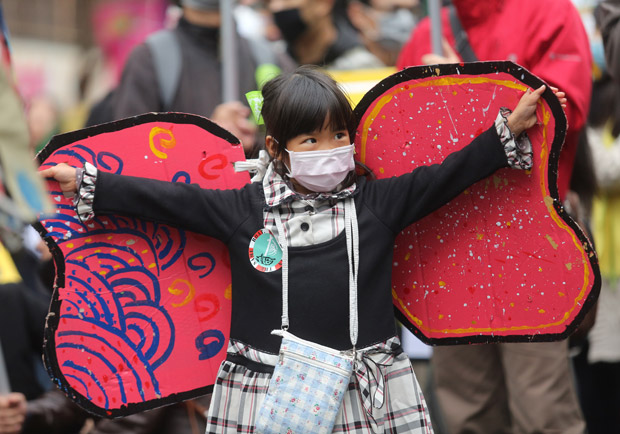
x: 310, y: 380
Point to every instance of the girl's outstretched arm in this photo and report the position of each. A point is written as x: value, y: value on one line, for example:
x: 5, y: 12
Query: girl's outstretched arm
x: 65, y: 175
x: 214, y: 213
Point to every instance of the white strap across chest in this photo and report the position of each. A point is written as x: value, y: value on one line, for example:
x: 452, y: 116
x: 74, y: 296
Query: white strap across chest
x: 352, y: 239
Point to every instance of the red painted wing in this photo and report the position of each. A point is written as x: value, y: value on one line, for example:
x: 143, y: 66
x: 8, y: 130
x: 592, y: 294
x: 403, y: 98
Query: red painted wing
x: 502, y: 261
x: 141, y: 313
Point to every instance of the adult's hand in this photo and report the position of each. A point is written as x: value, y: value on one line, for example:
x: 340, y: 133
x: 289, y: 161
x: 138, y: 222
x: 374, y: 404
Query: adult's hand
x: 12, y: 413
x: 233, y: 116
x: 449, y: 55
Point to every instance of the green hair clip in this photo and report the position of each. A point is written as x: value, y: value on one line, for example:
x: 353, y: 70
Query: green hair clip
x: 255, y: 100
x: 264, y: 73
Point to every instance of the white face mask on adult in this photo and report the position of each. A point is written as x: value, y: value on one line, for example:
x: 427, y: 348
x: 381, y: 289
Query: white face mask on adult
x: 321, y: 171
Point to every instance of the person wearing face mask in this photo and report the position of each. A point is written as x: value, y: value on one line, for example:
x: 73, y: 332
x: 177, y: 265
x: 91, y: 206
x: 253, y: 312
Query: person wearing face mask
x: 318, y: 32
x: 513, y: 387
x: 198, y: 87
x: 384, y: 25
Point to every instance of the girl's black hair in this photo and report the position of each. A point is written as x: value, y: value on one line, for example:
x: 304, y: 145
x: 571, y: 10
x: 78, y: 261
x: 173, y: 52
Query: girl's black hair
x: 299, y: 102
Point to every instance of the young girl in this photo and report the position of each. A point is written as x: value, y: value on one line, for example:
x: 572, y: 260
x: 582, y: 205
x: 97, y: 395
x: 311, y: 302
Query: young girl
x: 294, y: 227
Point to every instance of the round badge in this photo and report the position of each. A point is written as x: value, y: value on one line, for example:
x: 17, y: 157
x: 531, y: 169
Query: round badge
x: 265, y: 253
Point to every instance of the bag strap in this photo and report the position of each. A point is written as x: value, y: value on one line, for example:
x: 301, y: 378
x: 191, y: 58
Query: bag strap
x: 352, y: 239
x: 166, y: 52
x: 284, y: 248
x: 353, y: 254
x: 460, y: 36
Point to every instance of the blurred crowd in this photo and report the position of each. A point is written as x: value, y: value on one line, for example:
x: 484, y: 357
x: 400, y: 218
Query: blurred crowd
x: 571, y: 386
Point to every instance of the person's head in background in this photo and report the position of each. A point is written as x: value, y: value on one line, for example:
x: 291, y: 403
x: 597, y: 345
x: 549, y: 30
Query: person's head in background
x: 43, y: 117
x: 317, y: 32
x: 204, y: 13
x: 231, y: 115
x: 384, y: 25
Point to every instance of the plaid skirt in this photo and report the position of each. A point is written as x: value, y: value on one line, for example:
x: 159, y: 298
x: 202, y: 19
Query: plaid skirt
x: 383, y: 395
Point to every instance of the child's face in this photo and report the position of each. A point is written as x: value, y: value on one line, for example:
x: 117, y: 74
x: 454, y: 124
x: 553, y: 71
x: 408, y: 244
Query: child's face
x: 320, y: 140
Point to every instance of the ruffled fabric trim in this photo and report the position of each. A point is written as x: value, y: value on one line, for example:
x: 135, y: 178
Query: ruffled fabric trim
x: 83, y: 200
x: 518, y: 149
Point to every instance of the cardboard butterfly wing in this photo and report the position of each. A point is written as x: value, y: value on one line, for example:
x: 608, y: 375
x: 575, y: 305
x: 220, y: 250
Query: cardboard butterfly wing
x: 503, y: 261
x: 138, y: 306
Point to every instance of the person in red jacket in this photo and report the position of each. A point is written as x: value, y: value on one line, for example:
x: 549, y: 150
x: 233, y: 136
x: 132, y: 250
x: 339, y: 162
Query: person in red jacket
x: 551, y: 43
x: 520, y: 387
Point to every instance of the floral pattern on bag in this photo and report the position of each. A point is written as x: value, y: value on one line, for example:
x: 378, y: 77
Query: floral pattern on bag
x: 305, y: 392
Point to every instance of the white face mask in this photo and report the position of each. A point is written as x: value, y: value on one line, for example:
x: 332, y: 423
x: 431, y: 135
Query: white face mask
x: 322, y: 171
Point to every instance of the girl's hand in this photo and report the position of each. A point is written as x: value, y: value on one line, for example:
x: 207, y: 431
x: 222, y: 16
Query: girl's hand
x: 65, y: 175
x: 524, y: 115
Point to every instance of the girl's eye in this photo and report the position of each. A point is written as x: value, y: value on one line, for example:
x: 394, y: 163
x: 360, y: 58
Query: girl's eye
x: 340, y: 136
x: 310, y: 140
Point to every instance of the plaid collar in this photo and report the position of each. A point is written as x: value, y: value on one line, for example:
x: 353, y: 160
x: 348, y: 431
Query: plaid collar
x: 279, y: 190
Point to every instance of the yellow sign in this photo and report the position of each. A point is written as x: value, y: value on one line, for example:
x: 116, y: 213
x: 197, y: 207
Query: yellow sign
x: 356, y: 82
x: 8, y: 271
